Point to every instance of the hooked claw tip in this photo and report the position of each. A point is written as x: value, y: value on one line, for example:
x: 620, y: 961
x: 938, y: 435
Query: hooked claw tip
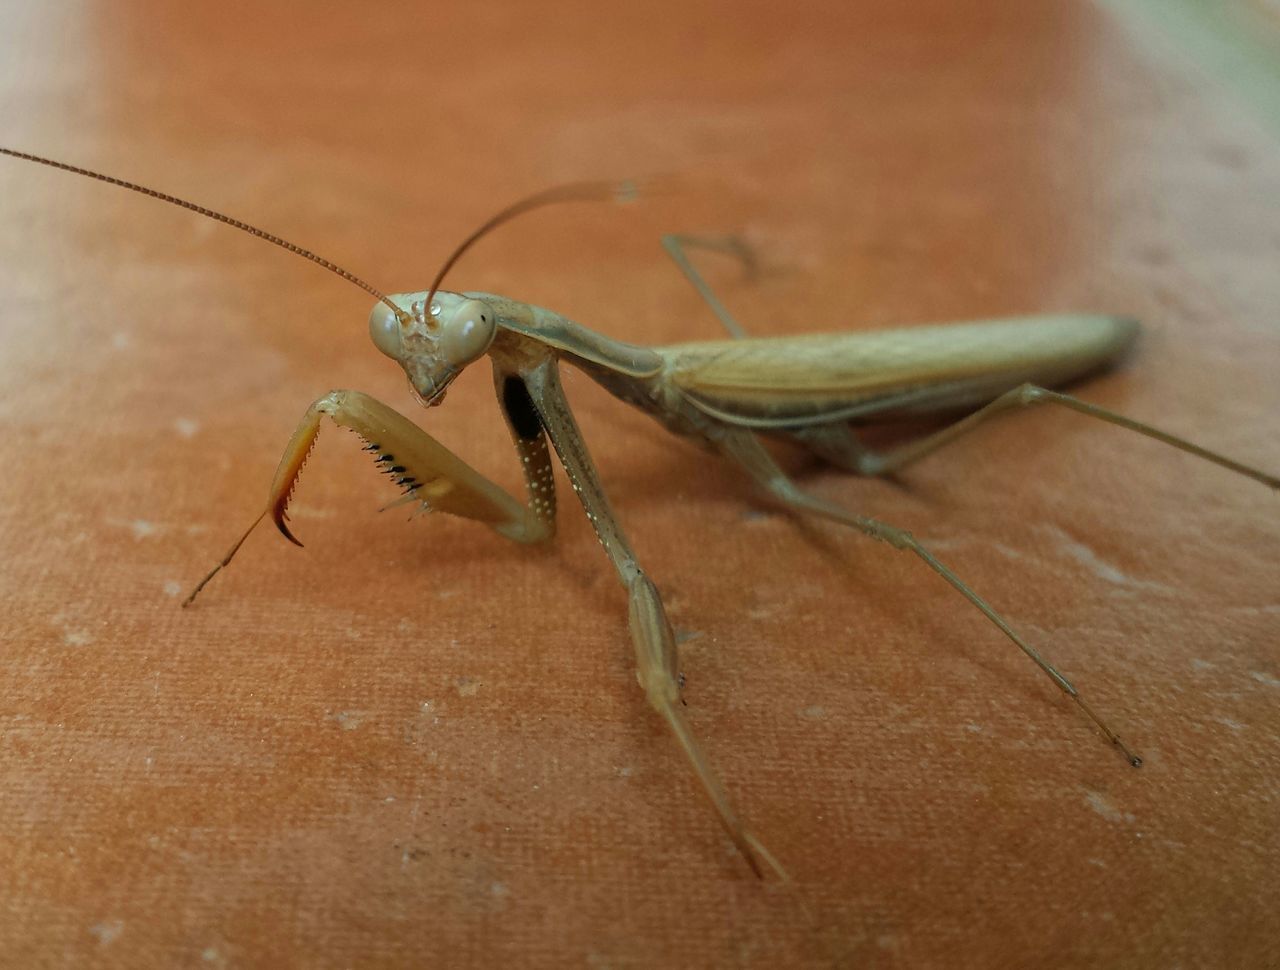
x: 278, y: 518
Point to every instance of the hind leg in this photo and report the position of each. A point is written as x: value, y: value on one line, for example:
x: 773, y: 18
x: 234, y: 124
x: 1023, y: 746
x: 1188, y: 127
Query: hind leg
x: 746, y: 449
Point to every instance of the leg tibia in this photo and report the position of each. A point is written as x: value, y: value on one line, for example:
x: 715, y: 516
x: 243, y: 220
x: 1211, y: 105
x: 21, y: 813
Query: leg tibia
x: 656, y: 670
x: 1029, y: 394
x: 747, y: 450
x: 731, y: 245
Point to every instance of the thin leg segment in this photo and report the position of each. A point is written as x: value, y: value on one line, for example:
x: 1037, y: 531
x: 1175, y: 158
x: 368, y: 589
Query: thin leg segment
x: 1027, y: 395
x: 746, y: 449
x: 730, y: 245
x: 657, y: 667
x: 838, y: 445
x: 428, y: 473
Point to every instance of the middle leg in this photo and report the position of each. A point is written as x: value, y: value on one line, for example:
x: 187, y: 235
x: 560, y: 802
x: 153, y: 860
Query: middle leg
x: 657, y: 663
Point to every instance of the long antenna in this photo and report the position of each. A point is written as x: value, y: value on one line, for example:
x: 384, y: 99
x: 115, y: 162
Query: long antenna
x: 573, y: 192
x: 212, y: 214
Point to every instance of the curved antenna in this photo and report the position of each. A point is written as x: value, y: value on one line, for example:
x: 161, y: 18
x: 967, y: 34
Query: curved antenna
x: 212, y: 214
x: 626, y: 191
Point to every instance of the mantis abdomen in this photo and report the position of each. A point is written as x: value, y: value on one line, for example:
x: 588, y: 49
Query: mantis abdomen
x: 790, y: 382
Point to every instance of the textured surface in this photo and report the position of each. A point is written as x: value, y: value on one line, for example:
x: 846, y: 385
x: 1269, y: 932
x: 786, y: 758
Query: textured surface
x: 420, y: 746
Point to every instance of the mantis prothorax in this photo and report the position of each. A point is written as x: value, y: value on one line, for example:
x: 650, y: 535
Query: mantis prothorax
x: 727, y: 394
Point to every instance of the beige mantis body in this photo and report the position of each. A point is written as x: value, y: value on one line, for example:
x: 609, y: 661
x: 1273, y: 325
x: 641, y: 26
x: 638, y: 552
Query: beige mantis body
x: 726, y: 394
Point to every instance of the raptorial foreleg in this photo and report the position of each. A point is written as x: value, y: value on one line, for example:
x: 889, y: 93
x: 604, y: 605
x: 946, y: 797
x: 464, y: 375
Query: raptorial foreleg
x: 428, y: 473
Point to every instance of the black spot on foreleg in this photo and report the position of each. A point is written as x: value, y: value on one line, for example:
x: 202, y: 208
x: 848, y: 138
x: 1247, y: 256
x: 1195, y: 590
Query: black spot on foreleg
x: 520, y: 410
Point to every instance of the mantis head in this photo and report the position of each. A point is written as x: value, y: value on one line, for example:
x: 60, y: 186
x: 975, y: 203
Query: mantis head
x: 433, y: 344
x: 434, y: 334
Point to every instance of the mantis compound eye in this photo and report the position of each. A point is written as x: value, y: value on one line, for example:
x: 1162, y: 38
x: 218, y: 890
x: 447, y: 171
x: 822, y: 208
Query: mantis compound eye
x: 384, y: 330
x: 468, y: 333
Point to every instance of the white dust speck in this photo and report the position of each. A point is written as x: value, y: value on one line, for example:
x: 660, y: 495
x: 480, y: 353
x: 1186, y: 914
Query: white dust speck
x: 143, y: 529
x: 1198, y: 664
x: 1007, y: 551
x: 1099, y: 566
x: 349, y: 720
x: 624, y: 771
x: 964, y: 542
x: 76, y: 638
x: 1264, y: 678
x: 107, y: 931
x: 301, y: 510
x: 500, y: 889
x: 1100, y: 804
x: 1271, y: 610
x: 1228, y: 722
x: 186, y: 427
x: 814, y: 711
x: 467, y: 687
x: 172, y: 588
x: 973, y: 728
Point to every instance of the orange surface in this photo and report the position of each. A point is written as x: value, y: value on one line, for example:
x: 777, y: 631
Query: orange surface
x: 420, y: 746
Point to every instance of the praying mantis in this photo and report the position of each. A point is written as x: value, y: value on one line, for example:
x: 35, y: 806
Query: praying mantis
x: 726, y: 394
